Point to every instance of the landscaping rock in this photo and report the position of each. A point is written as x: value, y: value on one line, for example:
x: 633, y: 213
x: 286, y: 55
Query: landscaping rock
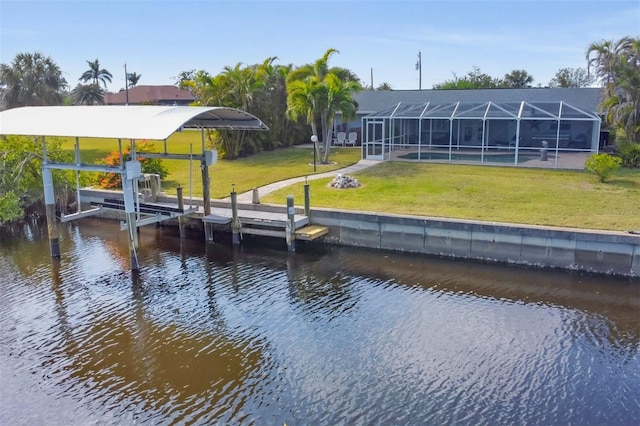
x: 343, y: 182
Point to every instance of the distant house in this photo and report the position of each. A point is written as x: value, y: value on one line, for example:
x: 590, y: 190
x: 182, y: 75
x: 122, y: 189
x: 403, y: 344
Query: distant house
x: 150, y: 95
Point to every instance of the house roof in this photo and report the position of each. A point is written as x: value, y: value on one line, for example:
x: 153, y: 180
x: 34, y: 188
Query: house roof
x: 121, y: 122
x: 149, y: 94
x: 371, y: 101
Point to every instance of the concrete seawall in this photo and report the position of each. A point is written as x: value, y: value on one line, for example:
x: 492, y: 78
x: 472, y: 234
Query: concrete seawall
x: 613, y: 253
x: 604, y: 252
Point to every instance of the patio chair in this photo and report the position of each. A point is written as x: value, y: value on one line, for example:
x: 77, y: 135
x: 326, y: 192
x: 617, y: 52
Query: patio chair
x: 353, y: 137
x: 341, y: 138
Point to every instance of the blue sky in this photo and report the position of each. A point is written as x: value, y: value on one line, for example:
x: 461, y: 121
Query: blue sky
x: 158, y: 39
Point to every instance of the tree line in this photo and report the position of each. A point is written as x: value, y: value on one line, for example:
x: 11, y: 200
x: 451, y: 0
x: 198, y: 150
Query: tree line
x: 516, y: 79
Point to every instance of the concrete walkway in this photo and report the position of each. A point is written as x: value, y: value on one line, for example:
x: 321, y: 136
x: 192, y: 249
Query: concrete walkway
x: 247, y: 197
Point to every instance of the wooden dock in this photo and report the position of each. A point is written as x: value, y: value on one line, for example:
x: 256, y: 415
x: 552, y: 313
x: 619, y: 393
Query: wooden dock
x: 255, y: 222
x: 286, y: 225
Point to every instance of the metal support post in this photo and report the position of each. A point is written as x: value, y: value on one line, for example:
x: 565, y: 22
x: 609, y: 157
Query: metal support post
x: 130, y: 212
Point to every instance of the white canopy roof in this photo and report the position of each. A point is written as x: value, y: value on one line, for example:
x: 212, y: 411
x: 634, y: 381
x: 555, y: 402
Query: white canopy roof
x: 121, y: 122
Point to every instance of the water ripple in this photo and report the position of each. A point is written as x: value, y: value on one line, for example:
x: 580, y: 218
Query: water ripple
x: 334, y: 336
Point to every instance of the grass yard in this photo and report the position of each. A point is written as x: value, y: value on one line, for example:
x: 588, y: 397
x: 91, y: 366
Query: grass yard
x: 245, y: 173
x: 498, y: 194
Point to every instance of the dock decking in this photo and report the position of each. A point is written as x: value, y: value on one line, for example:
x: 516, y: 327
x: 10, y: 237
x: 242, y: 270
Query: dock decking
x: 255, y: 222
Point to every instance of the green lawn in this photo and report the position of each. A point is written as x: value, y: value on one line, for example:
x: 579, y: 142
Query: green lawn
x: 500, y: 194
x: 245, y: 173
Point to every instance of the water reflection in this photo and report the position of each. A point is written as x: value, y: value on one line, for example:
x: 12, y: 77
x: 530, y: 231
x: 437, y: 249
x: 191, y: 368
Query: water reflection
x: 326, y: 335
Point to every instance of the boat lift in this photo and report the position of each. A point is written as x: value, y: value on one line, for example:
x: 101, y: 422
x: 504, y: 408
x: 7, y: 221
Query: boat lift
x: 122, y: 123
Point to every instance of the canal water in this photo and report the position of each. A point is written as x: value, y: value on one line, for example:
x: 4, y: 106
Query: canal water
x: 324, y: 336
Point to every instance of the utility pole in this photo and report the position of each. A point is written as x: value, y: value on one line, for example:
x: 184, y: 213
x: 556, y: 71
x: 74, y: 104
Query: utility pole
x: 126, y: 85
x: 419, y: 69
x: 372, y: 79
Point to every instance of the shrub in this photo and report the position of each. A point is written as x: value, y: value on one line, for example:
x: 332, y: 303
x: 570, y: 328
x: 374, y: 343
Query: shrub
x: 149, y: 165
x: 10, y: 208
x: 630, y: 155
x: 602, y: 165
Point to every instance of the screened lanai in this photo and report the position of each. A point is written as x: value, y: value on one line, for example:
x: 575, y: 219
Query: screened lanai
x: 548, y: 134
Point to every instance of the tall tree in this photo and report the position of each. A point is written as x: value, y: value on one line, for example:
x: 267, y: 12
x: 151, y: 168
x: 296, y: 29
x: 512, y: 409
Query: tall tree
x: 474, y: 79
x: 384, y: 86
x: 571, y: 77
x: 31, y: 79
x: 241, y: 85
x: 617, y: 66
x: 185, y: 77
x: 270, y: 104
x: 320, y: 91
x: 603, y: 56
x: 518, y: 79
x: 96, y: 75
x: 88, y: 94
x: 133, y: 79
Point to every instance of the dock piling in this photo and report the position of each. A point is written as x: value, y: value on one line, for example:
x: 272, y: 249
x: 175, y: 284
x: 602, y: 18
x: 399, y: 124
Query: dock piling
x: 50, y: 205
x: 235, y: 222
x: 307, y: 200
x: 181, y: 207
x: 291, y: 224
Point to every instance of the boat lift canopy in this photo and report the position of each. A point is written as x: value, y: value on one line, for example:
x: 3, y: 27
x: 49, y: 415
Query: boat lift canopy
x: 122, y: 122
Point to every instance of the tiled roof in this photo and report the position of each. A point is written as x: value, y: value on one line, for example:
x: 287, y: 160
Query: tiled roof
x: 161, y: 95
x: 370, y: 101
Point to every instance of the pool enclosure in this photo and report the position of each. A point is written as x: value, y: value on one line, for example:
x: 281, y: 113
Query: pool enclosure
x: 538, y: 133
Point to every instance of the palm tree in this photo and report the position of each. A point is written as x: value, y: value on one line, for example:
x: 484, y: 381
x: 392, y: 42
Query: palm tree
x: 317, y: 92
x: 339, y: 98
x: 88, y: 94
x: 242, y: 84
x: 617, y: 65
x: 384, y: 86
x: 270, y: 103
x: 133, y: 78
x: 31, y: 79
x: 96, y: 75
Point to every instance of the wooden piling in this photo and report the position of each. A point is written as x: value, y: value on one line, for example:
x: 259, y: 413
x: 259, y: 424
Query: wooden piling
x: 235, y: 222
x: 307, y: 201
x: 50, y: 206
x: 291, y: 224
x: 52, y: 229
x: 206, y: 188
x: 181, y: 207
